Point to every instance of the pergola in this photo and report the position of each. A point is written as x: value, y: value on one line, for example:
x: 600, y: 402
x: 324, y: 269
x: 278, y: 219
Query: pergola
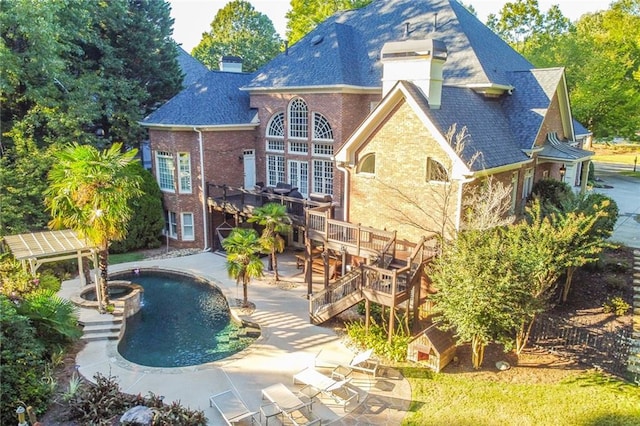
x: 36, y: 248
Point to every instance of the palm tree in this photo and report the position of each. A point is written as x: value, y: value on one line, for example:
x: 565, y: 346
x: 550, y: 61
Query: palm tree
x: 243, y: 263
x: 274, y: 218
x: 89, y: 192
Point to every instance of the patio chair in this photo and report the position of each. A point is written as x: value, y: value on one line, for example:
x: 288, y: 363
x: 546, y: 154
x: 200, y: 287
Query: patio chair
x: 231, y: 407
x: 365, y: 362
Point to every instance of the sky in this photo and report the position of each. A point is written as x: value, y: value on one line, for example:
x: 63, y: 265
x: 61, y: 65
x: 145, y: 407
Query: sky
x: 193, y: 17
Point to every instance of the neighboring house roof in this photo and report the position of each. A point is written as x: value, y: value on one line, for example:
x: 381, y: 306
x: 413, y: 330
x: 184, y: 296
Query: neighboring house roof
x: 345, y: 49
x: 579, y: 130
x: 212, y: 101
x: 527, y: 106
x: 192, y: 69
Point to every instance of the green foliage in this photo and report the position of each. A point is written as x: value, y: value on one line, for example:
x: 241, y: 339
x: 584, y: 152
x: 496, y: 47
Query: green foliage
x: 239, y: 30
x: 54, y: 319
x: 305, y: 15
x: 144, y: 229
x: 89, y: 191
x: 49, y: 282
x: 22, y: 364
x: 67, y: 72
x: 376, y: 338
x: 15, y: 282
x: 273, y: 217
x: 552, y: 193
x: 243, y: 263
x: 605, y: 208
x: 616, y: 305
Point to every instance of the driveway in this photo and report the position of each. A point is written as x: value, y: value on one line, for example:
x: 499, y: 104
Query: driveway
x: 625, y: 191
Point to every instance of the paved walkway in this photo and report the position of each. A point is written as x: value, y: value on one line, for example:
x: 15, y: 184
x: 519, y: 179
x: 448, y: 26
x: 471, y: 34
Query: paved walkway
x: 288, y: 344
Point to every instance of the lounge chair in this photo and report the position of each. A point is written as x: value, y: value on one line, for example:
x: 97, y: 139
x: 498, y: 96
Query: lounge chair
x: 335, y: 389
x: 365, y: 362
x: 231, y: 407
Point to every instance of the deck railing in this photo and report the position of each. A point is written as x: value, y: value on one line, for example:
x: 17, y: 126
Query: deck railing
x: 320, y: 226
x: 346, y: 285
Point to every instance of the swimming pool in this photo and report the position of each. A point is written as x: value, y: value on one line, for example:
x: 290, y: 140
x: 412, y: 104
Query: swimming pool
x: 183, y: 321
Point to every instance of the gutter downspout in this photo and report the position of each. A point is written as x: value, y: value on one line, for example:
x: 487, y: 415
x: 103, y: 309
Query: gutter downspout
x: 205, y: 231
x: 345, y: 171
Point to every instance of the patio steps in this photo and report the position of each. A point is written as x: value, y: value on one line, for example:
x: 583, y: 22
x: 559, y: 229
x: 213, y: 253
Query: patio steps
x: 97, y: 327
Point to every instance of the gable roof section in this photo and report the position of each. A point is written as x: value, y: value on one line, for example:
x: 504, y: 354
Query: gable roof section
x: 555, y: 149
x: 192, y: 69
x: 527, y: 106
x: 490, y: 143
x: 345, y: 48
x: 214, y: 100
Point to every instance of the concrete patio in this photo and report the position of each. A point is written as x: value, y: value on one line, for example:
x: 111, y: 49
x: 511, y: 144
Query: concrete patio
x: 288, y: 344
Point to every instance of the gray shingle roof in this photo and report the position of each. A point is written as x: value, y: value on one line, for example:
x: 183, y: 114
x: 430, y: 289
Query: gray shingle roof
x: 561, y: 150
x: 212, y: 101
x: 527, y: 106
x: 345, y: 48
x: 579, y: 129
x: 490, y: 142
x: 192, y: 68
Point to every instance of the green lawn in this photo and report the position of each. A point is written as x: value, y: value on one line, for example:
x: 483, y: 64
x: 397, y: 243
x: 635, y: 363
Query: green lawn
x: 457, y: 400
x: 622, y: 154
x: 125, y: 257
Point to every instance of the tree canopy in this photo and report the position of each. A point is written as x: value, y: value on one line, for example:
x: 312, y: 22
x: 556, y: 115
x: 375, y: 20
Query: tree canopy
x: 239, y: 30
x: 601, y: 54
x: 305, y: 15
x: 75, y: 71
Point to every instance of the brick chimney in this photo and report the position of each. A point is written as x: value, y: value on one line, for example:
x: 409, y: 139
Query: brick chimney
x: 231, y: 64
x: 418, y: 61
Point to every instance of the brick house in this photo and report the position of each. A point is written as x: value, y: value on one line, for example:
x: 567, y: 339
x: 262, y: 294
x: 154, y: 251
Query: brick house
x: 359, y: 110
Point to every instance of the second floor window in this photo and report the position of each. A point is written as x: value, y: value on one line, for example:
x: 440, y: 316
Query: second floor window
x: 165, y: 167
x: 184, y: 168
x: 298, y: 119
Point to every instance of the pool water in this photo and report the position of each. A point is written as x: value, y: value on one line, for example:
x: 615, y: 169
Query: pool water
x: 182, y: 322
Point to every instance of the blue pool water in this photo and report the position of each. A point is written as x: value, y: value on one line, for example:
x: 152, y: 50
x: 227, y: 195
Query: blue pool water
x: 182, y: 322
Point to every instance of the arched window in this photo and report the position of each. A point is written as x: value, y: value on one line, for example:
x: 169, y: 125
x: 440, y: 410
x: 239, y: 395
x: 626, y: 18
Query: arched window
x: 321, y: 128
x: 436, y: 171
x: 298, y: 119
x: 275, y: 133
x: 367, y: 164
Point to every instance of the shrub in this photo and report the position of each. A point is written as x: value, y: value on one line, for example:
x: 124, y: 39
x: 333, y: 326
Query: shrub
x: 616, y: 305
x: 145, y: 226
x: 48, y: 281
x: 22, y: 365
x: 376, y: 339
x: 15, y: 282
x: 552, y: 193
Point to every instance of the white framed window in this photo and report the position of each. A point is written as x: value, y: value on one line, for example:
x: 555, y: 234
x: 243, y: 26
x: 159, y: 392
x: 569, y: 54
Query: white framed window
x: 527, y: 183
x: 299, y: 176
x: 321, y: 128
x: 323, y: 176
x: 171, y: 224
x: 296, y: 147
x: 275, y: 145
x: 514, y: 192
x: 323, y: 149
x: 298, y: 119
x: 165, y: 168
x: 436, y: 172
x: 184, y: 171
x: 186, y: 220
x: 275, y: 169
x: 275, y: 128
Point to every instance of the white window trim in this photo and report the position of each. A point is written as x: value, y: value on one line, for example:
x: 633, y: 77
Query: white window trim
x: 183, y: 227
x: 171, y: 170
x: 184, y: 189
x: 171, y: 227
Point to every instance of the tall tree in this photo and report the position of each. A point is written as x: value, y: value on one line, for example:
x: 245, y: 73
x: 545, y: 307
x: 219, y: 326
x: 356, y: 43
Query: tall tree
x: 243, y: 263
x: 239, y: 30
x: 305, y: 15
x: 274, y: 218
x: 89, y: 192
